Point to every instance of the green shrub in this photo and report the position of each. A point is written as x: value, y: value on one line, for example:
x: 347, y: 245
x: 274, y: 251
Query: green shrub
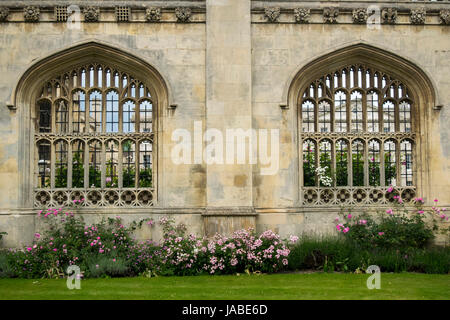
x: 107, y: 266
x: 340, y: 254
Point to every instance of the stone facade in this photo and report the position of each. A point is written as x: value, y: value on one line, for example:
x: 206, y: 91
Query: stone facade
x: 223, y: 64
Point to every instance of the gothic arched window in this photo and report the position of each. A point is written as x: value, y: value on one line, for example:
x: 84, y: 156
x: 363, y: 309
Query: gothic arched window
x: 356, y: 130
x: 93, y: 139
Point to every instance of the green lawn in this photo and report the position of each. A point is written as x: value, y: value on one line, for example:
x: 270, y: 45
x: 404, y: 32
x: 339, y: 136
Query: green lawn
x: 277, y: 286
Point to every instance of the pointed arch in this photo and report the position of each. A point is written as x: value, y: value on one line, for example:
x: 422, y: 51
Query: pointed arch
x: 406, y: 74
x: 29, y: 85
x: 375, y: 58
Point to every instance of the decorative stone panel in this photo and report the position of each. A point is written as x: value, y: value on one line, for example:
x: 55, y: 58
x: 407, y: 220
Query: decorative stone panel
x: 123, y: 14
x: 183, y: 14
x: 444, y: 16
x: 61, y: 14
x: 330, y: 15
x: 31, y: 14
x: 153, y: 14
x: 4, y: 13
x: 91, y: 14
x: 389, y: 15
x: 359, y: 15
x: 272, y: 13
x: 302, y: 15
x: 418, y: 16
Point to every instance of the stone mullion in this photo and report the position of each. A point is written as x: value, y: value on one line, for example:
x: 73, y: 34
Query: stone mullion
x: 316, y: 116
x: 36, y: 164
x: 333, y: 161
x: 103, y: 165
x: 52, y: 164
x: 300, y: 169
x: 70, y: 111
x: 69, y: 164
x: 86, y: 164
x: 317, y: 160
x: 348, y: 115
x: 382, y: 169
x: 53, y: 117
x: 350, y: 163
x: 87, y: 108
x: 396, y: 116
x: 103, y: 112
x: 364, y: 110
x: 398, y: 163
x: 120, y: 113
x: 137, y: 115
x: 120, y: 164
x: 366, y: 162
x: 380, y: 112
x: 137, y: 160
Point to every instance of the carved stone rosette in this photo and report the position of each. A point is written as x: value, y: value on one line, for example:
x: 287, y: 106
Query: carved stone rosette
x: 272, y: 13
x: 418, y: 16
x: 359, y: 15
x: 91, y: 14
x: 444, y: 16
x: 302, y: 15
x: 31, y: 14
x: 183, y: 14
x: 330, y: 15
x: 389, y: 15
x: 153, y: 14
x: 4, y: 13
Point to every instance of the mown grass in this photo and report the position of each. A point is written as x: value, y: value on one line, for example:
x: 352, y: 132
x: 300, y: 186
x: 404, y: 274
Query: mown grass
x: 334, y: 286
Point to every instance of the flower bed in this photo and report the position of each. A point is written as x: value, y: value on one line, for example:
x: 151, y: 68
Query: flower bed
x: 108, y: 249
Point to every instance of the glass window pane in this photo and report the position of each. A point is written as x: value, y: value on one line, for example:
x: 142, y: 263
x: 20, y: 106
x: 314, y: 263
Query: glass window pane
x: 62, y: 116
x: 43, y: 167
x: 95, y: 112
x: 45, y: 109
x: 341, y: 163
x: 372, y: 112
x: 95, y: 152
x: 405, y: 116
x: 388, y: 117
x: 324, y: 116
x: 78, y: 112
x: 145, y: 116
x: 357, y: 111
x: 112, y: 164
x: 61, y: 164
x: 145, y: 164
x: 78, y: 164
x: 340, y: 112
x: 325, y: 159
x: 112, y: 111
x: 128, y: 164
x: 406, y: 163
x: 374, y: 163
x: 309, y: 163
x: 128, y: 117
x: 358, y: 163
x: 390, y: 171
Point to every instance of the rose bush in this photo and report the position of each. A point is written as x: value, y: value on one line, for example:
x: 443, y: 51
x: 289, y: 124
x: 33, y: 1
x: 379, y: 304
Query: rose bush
x: 108, y: 248
x: 400, y: 227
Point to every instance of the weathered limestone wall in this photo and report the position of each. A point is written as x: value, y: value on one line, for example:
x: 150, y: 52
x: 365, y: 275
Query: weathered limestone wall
x: 232, y: 71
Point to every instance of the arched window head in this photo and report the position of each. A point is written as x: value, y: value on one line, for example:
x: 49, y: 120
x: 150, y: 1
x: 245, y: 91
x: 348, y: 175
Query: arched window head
x: 357, y: 137
x: 93, y: 138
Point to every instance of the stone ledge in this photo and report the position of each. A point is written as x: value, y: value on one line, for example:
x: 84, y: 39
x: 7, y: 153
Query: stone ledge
x: 230, y: 211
